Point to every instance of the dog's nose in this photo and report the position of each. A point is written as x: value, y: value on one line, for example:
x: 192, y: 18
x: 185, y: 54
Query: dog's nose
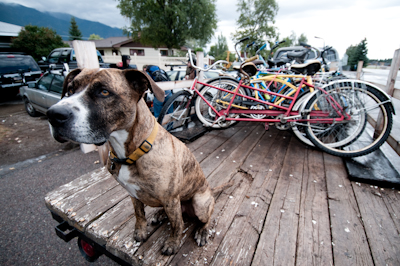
x: 58, y: 115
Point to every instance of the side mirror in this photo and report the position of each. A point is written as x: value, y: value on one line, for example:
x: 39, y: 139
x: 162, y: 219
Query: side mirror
x: 32, y: 85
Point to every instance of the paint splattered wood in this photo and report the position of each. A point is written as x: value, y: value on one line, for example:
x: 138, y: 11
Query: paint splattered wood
x: 350, y: 246
x: 314, y: 237
x: 277, y: 244
x: 381, y: 230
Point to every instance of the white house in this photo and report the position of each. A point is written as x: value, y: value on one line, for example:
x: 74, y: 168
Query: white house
x: 113, y: 48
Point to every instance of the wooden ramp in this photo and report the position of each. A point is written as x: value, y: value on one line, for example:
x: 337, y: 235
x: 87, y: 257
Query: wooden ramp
x: 290, y: 205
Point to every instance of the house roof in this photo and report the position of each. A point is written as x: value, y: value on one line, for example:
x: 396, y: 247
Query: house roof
x: 111, y: 42
x: 117, y: 42
x: 7, y: 29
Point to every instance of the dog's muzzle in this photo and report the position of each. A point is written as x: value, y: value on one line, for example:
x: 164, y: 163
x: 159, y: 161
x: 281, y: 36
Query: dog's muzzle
x: 58, y: 117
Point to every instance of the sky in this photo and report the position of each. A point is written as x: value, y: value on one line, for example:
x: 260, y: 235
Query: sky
x: 338, y: 23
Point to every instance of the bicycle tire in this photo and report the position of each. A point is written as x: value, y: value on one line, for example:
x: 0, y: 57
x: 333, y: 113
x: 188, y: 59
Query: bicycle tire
x: 204, y: 113
x: 176, y: 111
x: 365, y: 105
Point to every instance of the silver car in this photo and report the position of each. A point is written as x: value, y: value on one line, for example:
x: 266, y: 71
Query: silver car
x: 40, y: 95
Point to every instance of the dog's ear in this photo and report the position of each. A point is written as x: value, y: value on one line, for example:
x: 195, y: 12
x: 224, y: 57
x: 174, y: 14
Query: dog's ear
x: 68, y: 79
x: 140, y: 81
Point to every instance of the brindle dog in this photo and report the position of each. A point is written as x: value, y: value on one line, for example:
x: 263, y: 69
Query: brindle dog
x: 107, y: 106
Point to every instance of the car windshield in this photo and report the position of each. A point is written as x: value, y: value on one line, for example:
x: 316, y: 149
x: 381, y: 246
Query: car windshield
x: 13, y: 64
x: 97, y: 52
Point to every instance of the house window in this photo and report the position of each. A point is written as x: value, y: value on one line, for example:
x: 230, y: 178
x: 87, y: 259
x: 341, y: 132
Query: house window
x: 139, y: 52
x: 101, y: 52
x: 164, y: 52
x: 115, y: 52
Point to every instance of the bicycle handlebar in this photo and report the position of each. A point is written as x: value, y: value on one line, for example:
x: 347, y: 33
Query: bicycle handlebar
x: 262, y: 48
x: 205, y: 69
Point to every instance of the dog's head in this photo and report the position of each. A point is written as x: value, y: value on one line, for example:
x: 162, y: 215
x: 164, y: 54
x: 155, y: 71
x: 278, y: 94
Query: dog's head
x: 97, y: 102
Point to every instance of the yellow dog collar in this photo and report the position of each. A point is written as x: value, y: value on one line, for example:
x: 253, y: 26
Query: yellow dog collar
x: 143, y: 148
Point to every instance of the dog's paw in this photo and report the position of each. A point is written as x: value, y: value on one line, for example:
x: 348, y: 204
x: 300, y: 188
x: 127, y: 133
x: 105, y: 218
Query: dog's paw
x: 201, y: 236
x: 158, y: 217
x: 140, y: 235
x: 170, y: 247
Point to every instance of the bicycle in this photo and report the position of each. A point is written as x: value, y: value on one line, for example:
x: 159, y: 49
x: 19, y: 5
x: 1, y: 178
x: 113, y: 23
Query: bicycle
x: 334, y: 118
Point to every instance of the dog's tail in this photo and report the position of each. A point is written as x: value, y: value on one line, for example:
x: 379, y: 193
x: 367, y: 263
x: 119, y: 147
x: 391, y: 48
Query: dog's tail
x: 218, y: 189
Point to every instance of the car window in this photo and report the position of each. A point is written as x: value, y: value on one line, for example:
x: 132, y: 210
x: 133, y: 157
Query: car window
x: 182, y: 74
x: 99, y: 57
x: 53, y: 58
x: 57, y: 84
x: 330, y: 55
x: 44, y: 82
x: 210, y: 75
x: 172, y: 75
x: 12, y: 64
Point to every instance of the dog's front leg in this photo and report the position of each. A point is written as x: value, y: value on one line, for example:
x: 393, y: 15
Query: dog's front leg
x: 174, y: 212
x: 140, y: 233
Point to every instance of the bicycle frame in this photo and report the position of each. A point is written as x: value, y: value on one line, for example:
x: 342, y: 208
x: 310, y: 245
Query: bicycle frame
x: 280, y: 114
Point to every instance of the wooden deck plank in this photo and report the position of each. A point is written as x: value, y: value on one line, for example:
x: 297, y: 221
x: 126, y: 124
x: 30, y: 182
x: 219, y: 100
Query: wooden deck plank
x: 277, y: 244
x: 314, y: 236
x: 242, y: 237
x: 68, y: 208
x: 383, y: 236
x: 217, y: 138
x: 392, y: 202
x: 350, y: 245
x: 222, y: 152
x: 82, y: 182
x: 122, y: 244
x: 225, y: 209
x: 107, y: 224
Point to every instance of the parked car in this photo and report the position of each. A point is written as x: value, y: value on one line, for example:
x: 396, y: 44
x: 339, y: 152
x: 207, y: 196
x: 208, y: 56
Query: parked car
x: 39, y: 96
x: 331, y: 55
x: 15, y: 70
x: 59, y: 56
x: 179, y: 74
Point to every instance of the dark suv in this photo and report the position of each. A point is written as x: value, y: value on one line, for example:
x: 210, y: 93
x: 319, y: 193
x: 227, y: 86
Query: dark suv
x: 59, y: 56
x: 15, y: 70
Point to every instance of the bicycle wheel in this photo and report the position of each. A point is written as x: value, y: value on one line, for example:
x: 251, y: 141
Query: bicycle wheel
x: 355, y: 136
x: 219, y: 100
x: 299, y: 128
x: 177, y: 111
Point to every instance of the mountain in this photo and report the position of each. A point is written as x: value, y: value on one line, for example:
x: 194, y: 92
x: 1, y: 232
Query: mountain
x: 60, y: 22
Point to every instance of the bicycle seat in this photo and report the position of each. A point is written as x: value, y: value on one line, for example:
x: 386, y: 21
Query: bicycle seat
x: 249, y: 68
x: 309, y: 68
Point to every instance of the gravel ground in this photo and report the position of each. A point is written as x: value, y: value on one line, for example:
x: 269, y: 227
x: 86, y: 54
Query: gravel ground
x: 30, y: 167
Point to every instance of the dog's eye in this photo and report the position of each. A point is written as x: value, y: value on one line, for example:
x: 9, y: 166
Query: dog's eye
x: 105, y: 93
x: 70, y: 92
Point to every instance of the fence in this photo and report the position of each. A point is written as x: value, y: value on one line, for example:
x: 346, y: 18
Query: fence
x: 159, y: 60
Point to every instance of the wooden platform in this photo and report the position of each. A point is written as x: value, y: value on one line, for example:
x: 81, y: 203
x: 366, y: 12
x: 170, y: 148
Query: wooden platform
x: 290, y: 205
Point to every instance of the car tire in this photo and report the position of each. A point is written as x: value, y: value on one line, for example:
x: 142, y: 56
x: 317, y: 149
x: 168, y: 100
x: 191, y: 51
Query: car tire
x: 29, y: 108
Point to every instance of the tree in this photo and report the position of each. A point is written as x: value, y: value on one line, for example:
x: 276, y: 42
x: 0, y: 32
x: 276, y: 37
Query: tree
x: 169, y: 23
x: 95, y: 37
x: 357, y: 53
x: 37, y: 41
x: 256, y: 19
x: 219, y: 48
x: 74, y: 32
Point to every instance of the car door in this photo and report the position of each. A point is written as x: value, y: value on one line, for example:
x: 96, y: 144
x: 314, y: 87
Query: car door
x: 40, y: 94
x: 54, y: 94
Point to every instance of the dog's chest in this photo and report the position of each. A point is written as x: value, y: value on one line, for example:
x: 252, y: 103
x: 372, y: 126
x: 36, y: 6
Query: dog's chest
x: 125, y: 180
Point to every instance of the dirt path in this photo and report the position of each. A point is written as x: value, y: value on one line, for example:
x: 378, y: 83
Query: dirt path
x: 23, y: 137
